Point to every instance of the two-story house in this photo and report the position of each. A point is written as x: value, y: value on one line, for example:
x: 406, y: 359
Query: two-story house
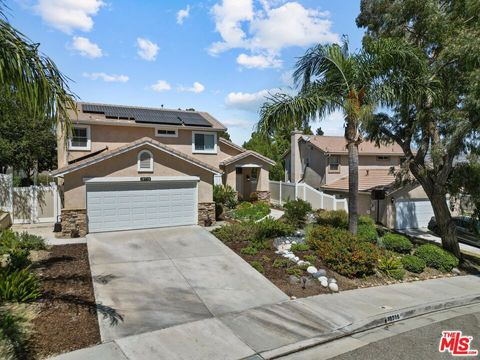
x: 322, y: 162
x: 127, y: 167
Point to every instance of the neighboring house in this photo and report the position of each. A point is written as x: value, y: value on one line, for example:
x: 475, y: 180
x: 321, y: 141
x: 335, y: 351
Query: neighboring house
x: 322, y: 162
x: 129, y: 167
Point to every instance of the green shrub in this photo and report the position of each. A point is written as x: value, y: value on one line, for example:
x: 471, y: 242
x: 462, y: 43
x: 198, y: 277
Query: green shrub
x: 296, y: 211
x: 18, y: 258
x: 257, y: 265
x: 280, y: 263
x: 365, y: 220
x: 265, y: 258
x: 391, y: 266
x: 246, y: 211
x: 15, y: 331
x: 413, y: 264
x: 343, y: 252
x: 367, y: 232
x: 335, y: 218
x: 19, y: 286
x: 310, y: 258
x: 225, y: 195
x: 299, y: 247
x: 31, y: 242
x: 236, y: 232
x: 296, y: 271
x: 303, y: 267
x: 249, y: 250
x: 397, y: 243
x: 271, y: 228
x: 436, y: 257
x: 12, y: 240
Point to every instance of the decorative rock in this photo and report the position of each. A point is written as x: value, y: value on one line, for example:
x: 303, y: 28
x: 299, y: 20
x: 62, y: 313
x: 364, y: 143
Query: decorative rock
x: 332, y: 280
x: 292, y: 279
x: 287, y: 242
x: 323, y: 278
x: 319, y: 273
x: 324, y: 283
x: 300, y: 262
x: 312, y: 270
x: 456, y: 271
x: 333, y: 286
x: 289, y: 256
x: 294, y: 242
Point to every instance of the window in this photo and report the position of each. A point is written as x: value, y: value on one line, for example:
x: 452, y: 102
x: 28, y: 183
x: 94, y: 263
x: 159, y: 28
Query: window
x: 254, y: 174
x: 204, y: 143
x: 80, y: 139
x: 383, y: 158
x: 166, y: 132
x: 145, y: 161
x: 334, y: 162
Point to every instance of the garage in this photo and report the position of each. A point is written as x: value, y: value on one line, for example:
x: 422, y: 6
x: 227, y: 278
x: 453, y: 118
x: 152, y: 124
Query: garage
x: 139, y: 203
x: 412, y: 214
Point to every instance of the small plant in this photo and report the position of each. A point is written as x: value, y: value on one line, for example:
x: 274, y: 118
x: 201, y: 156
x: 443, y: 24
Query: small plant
x: 295, y: 271
x: 251, y: 212
x: 365, y: 220
x: 19, y: 286
x: 334, y: 218
x: 397, y: 243
x: 303, y: 266
x: 299, y: 247
x: 236, y: 232
x: 310, y: 258
x: 18, y: 259
x: 437, y: 258
x: 15, y: 330
x: 296, y: 212
x: 31, y: 242
x: 10, y: 240
x: 316, y: 234
x: 367, y: 232
x: 265, y: 258
x: 413, y: 264
x: 225, y: 195
x: 391, y: 266
x: 249, y: 250
x: 257, y: 265
x: 280, y: 263
x: 270, y: 228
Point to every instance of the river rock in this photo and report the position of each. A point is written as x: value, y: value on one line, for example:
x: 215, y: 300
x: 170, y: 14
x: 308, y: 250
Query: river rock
x: 292, y: 279
x: 319, y: 273
x: 332, y: 280
x: 456, y: 271
x: 324, y: 283
x: 312, y: 270
x: 333, y: 286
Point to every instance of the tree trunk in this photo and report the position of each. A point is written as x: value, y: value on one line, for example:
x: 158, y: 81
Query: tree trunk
x: 445, y: 224
x: 352, y: 186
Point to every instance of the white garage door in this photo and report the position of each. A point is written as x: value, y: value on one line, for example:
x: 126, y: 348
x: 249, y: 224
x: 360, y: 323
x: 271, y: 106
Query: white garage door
x: 412, y: 214
x: 139, y: 205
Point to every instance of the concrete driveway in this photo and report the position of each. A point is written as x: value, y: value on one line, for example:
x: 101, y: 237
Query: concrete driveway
x: 152, y: 279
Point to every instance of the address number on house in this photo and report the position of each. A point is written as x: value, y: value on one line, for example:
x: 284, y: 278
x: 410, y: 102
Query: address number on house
x: 145, y: 178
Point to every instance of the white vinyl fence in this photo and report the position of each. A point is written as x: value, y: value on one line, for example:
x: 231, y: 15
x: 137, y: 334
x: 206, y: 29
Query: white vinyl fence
x: 32, y: 204
x: 281, y: 192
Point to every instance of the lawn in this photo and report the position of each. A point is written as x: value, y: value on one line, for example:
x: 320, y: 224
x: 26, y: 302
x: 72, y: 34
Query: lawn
x: 368, y: 259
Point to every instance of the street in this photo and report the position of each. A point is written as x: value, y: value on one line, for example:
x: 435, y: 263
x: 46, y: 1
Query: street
x: 416, y: 338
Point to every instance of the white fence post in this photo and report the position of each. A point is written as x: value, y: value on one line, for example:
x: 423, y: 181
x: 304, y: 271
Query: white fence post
x: 295, y: 192
x: 280, y: 192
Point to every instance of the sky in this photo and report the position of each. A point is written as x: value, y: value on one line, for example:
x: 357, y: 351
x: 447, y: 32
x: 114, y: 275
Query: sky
x: 219, y: 56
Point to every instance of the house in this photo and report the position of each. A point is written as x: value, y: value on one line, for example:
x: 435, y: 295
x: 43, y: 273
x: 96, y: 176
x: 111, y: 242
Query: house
x: 322, y: 162
x: 127, y: 167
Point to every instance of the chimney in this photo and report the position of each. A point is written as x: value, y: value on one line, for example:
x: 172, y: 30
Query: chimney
x: 295, y: 160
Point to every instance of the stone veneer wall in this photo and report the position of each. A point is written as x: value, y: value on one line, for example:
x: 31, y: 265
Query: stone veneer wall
x: 206, y: 214
x: 263, y: 196
x: 74, y: 223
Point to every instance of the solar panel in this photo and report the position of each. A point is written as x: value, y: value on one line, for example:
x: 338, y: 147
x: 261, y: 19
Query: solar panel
x: 148, y: 115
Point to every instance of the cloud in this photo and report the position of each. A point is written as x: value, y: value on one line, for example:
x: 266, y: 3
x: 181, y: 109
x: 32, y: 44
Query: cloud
x: 258, y: 61
x: 161, y: 85
x: 68, y: 15
x: 266, y: 31
x: 195, y: 88
x: 86, y: 48
x: 183, y: 14
x: 147, y: 49
x: 106, y: 77
x: 238, y: 123
x: 333, y: 124
x: 247, y: 101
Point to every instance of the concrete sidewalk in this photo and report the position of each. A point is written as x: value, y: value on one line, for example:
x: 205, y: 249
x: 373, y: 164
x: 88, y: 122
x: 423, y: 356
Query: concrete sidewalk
x: 276, y: 330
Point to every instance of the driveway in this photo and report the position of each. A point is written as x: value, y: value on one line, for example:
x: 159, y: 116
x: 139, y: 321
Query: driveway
x: 152, y: 279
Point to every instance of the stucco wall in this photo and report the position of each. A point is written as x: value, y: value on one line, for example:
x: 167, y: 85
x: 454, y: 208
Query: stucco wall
x: 126, y: 165
x: 262, y: 182
x: 115, y: 136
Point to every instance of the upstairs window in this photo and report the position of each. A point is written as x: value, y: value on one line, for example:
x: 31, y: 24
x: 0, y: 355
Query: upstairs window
x: 204, y: 143
x: 334, y: 163
x: 80, y: 139
x: 145, y: 161
x: 383, y: 158
x: 166, y: 132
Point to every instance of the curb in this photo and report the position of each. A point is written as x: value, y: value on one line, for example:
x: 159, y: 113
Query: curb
x: 370, y: 323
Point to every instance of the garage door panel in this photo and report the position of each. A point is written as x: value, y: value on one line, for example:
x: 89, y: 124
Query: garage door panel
x: 125, y: 206
x: 412, y: 214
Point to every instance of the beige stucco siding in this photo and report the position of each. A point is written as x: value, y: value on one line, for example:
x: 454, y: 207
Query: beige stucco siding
x: 230, y: 177
x: 126, y: 165
x: 115, y: 136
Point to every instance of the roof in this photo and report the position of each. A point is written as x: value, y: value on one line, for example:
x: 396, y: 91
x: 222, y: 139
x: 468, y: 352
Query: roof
x: 338, y: 145
x: 245, y: 154
x: 122, y: 149
x: 124, y: 115
x: 231, y: 144
x: 368, y: 179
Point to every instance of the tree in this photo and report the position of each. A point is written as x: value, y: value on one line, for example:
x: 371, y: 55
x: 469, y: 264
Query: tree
x: 25, y: 143
x: 225, y: 135
x: 319, y: 132
x: 330, y: 79
x: 38, y: 83
x: 433, y: 98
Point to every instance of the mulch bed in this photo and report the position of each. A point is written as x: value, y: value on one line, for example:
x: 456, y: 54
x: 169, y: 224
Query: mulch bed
x: 280, y: 277
x: 67, y: 318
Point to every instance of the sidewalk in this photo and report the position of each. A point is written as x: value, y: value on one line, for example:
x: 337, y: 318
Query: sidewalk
x: 276, y: 330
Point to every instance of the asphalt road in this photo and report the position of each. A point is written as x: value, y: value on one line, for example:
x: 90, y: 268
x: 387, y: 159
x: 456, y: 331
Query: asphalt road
x: 420, y: 343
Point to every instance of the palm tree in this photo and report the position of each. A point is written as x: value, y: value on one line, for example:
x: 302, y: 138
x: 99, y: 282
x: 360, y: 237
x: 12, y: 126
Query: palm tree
x: 330, y: 79
x: 31, y: 76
